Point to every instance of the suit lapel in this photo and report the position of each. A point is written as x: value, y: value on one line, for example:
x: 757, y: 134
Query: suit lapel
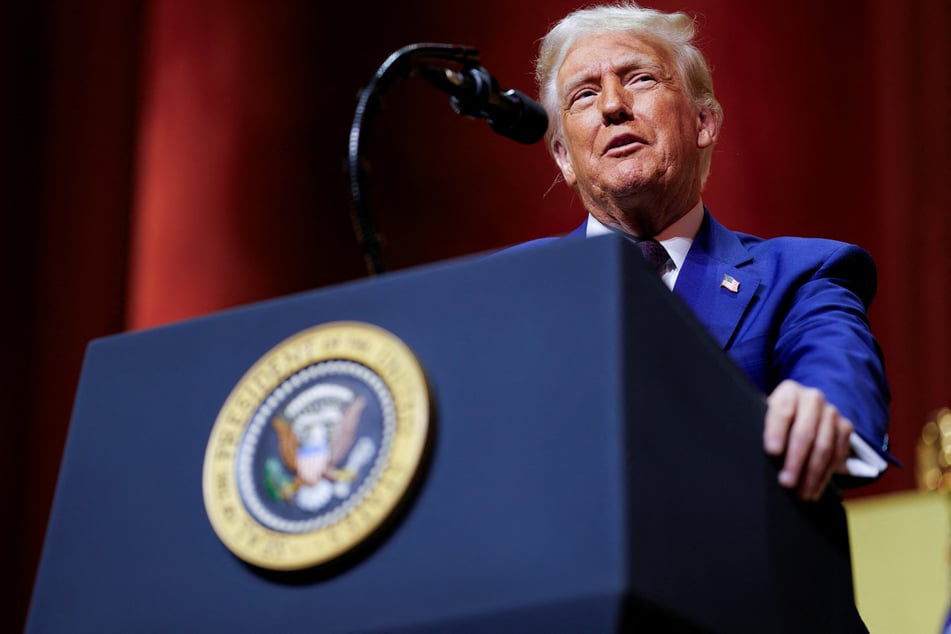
x: 716, y: 253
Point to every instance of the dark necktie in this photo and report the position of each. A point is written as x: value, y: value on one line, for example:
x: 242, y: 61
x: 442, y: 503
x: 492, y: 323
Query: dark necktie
x: 654, y: 252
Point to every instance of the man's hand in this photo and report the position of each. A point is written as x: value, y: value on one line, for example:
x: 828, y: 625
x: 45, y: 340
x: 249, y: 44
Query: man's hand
x: 801, y: 423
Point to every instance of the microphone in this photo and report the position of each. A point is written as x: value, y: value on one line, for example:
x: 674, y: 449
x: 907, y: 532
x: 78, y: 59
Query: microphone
x: 475, y: 93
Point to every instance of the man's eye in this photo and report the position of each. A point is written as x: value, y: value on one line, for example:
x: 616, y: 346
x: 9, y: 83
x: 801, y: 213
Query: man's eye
x: 643, y: 78
x: 582, y: 95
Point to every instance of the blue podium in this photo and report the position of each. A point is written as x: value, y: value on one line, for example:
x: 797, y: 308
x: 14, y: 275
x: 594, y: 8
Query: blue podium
x: 595, y: 466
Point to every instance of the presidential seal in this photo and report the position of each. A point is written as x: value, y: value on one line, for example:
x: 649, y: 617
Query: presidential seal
x: 316, y: 446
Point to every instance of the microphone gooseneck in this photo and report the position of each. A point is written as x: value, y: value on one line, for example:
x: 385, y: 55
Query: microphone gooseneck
x: 473, y: 93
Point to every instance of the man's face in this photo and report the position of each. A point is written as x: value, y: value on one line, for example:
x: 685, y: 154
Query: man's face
x: 630, y: 135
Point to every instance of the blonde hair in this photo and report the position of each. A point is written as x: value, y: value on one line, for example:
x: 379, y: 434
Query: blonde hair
x: 674, y: 32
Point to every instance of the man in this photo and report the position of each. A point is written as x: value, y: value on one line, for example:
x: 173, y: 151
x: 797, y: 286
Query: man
x: 633, y: 121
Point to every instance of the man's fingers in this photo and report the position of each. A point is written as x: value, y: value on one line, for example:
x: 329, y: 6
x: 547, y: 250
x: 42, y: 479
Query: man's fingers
x: 843, y: 444
x: 822, y: 456
x: 780, y: 411
x: 802, y: 435
x: 810, y: 434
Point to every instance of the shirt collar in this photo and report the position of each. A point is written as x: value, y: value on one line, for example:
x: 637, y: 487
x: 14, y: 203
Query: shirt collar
x: 676, y: 238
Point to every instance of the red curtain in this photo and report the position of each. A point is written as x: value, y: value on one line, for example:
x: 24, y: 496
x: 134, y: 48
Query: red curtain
x: 177, y: 158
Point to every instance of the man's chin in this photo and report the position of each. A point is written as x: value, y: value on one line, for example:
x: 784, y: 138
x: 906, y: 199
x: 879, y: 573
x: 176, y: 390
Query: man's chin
x: 629, y: 177
x: 625, y: 189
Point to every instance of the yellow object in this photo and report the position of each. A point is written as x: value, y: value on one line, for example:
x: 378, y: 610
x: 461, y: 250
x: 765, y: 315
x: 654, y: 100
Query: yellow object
x: 900, y: 561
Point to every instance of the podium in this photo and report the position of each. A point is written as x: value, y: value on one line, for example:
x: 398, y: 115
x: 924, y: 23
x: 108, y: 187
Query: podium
x: 596, y: 465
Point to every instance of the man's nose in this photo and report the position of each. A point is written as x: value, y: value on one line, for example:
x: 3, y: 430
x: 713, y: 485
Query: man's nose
x: 615, y: 102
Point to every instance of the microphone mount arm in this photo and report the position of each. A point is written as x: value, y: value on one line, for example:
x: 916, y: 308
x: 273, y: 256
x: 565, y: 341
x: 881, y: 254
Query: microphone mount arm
x: 426, y: 59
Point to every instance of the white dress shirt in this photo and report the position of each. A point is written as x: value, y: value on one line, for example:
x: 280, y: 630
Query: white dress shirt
x: 676, y: 239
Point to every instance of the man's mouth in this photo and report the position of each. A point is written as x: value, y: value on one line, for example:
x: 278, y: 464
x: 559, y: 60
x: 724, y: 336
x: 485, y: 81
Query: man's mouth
x: 623, y: 143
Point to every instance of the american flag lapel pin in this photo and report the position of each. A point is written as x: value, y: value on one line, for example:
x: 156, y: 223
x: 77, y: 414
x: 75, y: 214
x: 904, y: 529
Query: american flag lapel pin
x: 730, y: 283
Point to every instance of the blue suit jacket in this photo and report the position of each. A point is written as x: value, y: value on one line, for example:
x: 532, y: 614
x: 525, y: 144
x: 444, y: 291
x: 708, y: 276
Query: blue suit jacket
x: 799, y: 313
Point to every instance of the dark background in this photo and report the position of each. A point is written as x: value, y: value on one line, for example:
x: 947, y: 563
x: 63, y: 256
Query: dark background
x: 168, y: 159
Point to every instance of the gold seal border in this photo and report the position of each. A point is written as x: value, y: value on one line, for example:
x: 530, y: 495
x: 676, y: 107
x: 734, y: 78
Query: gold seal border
x: 396, y: 365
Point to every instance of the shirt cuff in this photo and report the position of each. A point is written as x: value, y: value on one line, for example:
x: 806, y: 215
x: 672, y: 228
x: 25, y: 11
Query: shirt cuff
x: 863, y: 462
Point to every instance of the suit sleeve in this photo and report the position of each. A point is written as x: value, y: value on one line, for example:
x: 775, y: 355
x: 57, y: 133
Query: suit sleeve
x: 825, y: 341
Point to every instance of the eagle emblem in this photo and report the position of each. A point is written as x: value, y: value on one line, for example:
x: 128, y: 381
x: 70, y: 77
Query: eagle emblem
x: 320, y: 453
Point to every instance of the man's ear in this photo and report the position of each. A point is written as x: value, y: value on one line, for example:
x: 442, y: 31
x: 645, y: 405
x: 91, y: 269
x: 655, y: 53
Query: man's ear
x: 708, y: 127
x: 560, y: 152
